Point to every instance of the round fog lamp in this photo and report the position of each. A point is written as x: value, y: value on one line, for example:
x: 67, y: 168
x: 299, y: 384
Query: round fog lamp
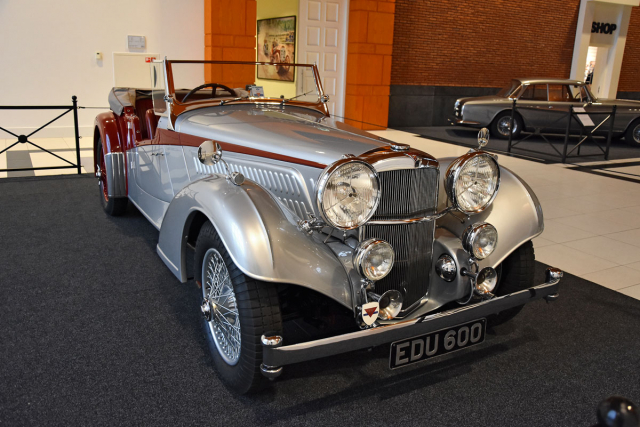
x: 446, y: 268
x: 374, y: 259
x: 480, y: 240
x: 486, y: 281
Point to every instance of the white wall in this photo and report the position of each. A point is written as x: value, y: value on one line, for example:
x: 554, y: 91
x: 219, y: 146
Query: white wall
x: 47, y: 52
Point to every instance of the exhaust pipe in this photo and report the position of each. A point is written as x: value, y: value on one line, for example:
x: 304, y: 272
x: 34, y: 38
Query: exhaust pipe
x: 389, y: 303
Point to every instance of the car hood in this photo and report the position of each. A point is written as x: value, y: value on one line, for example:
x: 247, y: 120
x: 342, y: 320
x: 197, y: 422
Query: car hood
x: 482, y: 99
x: 289, y: 131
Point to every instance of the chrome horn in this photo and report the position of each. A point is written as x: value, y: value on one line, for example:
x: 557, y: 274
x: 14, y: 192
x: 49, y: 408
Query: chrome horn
x: 210, y: 153
x: 389, y: 303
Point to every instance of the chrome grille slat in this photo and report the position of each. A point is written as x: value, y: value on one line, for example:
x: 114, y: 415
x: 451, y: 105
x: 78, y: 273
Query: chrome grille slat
x: 407, y: 193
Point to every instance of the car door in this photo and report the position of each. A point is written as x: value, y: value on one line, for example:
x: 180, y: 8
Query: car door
x: 152, y: 172
x: 533, y: 106
x: 561, y: 98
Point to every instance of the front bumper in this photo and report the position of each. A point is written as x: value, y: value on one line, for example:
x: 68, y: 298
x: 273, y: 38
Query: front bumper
x: 459, y: 122
x: 275, y: 355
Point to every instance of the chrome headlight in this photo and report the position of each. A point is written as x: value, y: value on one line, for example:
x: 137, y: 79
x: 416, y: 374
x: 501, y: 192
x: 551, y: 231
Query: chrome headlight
x: 472, y: 182
x: 480, y: 240
x: 348, y: 193
x: 374, y: 259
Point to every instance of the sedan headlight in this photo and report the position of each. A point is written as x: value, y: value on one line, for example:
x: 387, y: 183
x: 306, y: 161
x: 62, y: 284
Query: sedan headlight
x: 348, y: 193
x: 472, y: 182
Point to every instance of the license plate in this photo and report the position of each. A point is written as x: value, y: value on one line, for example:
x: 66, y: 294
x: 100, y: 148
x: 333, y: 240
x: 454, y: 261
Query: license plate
x: 437, y: 343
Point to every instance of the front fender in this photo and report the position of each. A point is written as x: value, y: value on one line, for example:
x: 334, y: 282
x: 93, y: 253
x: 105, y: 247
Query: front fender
x: 516, y: 214
x: 261, y: 236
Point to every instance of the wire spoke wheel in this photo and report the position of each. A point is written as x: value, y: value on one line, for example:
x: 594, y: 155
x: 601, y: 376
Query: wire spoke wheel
x: 636, y: 134
x: 218, y: 294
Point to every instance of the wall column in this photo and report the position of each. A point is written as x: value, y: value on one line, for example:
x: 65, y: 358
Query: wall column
x: 369, y: 63
x: 230, y: 35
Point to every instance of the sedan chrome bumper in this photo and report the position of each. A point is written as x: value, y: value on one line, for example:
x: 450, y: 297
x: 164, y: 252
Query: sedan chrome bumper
x: 275, y: 355
x: 457, y: 121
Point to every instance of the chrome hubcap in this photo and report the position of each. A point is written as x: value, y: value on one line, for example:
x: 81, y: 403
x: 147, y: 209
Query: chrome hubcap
x: 503, y: 126
x: 636, y: 134
x: 220, y: 307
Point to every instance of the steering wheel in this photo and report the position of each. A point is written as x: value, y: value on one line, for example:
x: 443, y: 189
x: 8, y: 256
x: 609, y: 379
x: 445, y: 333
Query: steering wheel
x: 213, y: 87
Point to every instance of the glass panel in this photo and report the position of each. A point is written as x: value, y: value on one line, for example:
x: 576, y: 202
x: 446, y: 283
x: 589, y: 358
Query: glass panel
x: 555, y: 93
x: 158, y: 89
x: 578, y: 93
x: 508, y: 90
x: 231, y: 81
x: 535, y: 93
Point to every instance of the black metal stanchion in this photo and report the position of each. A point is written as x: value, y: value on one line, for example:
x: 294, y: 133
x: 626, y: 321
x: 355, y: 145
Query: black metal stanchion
x: 610, y: 134
x: 566, y: 135
x: 75, y: 126
x: 513, y: 113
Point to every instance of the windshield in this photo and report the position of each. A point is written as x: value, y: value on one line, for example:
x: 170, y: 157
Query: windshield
x: 509, y: 89
x: 230, y: 81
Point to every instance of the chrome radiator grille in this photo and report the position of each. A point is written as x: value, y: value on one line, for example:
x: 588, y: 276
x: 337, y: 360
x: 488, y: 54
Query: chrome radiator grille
x: 407, y: 193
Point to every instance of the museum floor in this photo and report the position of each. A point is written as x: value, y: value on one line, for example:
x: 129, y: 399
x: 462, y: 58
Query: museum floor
x: 95, y: 330
x: 592, y: 222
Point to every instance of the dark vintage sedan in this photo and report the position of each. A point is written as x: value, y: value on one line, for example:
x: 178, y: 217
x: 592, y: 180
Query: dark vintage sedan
x: 544, y: 104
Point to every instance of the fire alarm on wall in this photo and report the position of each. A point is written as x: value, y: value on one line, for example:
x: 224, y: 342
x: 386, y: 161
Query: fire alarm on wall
x: 98, y: 56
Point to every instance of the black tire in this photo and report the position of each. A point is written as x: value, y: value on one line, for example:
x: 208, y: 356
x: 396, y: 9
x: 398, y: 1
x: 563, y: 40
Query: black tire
x: 496, y: 129
x: 259, y: 313
x: 516, y: 275
x: 112, y: 206
x: 632, y: 135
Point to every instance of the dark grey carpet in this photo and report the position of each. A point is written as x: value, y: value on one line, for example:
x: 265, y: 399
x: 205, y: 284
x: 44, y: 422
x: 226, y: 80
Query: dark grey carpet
x: 95, y: 330
x: 469, y: 137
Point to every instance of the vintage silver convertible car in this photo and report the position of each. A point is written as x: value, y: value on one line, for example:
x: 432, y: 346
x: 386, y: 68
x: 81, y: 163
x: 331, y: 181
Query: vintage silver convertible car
x: 293, y: 217
x: 544, y: 104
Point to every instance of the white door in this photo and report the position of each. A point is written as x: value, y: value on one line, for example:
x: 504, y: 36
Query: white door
x: 322, y: 40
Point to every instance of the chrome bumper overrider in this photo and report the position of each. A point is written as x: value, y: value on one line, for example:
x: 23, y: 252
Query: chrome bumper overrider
x: 275, y: 355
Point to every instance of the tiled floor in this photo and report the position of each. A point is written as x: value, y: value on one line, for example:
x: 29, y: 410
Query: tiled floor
x: 592, y: 223
x: 26, y: 155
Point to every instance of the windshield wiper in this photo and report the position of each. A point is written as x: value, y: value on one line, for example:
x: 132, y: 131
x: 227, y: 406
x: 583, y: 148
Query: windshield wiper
x: 294, y: 97
x: 224, y: 101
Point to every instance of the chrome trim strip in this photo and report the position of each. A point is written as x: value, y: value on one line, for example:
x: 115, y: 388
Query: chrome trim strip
x: 116, y: 182
x: 412, y: 220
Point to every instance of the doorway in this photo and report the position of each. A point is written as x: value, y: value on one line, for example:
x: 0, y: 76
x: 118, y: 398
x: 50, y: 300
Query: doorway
x: 323, y: 40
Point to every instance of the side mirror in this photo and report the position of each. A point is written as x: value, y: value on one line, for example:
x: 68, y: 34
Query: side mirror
x: 483, y: 138
x: 209, y: 153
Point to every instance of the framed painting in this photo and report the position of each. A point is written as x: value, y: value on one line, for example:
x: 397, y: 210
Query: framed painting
x: 276, y: 39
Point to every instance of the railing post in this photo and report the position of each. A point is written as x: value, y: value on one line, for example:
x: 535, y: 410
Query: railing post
x: 75, y: 126
x: 513, y: 113
x: 610, y: 134
x: 566, y: 135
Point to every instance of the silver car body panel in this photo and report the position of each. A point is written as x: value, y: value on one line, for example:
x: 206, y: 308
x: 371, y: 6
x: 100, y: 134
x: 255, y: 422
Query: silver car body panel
x: 260, y: 234
x: 291, y: 131
x: 515, y: 213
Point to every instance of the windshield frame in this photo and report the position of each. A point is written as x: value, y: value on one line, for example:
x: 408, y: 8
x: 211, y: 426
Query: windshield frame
x: 177, y: 107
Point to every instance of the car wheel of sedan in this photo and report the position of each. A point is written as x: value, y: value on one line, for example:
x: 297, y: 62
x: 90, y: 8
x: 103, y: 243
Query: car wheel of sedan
x: 516, y: 274
x: 112, y: 206
x: 632, y: 136
x: 501, y: 124
x: 237, y: 311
